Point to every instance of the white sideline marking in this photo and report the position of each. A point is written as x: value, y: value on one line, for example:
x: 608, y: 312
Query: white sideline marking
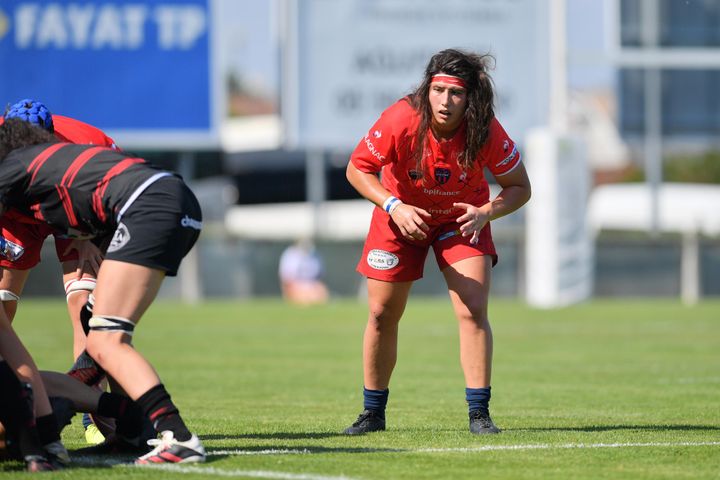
x: 212, y: 471
x: 241, y: 473
x: 547, y: 446
x: 269, y: 451
x: 484, y: 448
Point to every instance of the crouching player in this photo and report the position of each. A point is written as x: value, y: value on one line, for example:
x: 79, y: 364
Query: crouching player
x: 80, y: 259
x: 88, y: 191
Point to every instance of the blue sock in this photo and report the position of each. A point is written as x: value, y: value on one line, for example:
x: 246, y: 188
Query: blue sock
x: 477, y: 398
x: 375, y: 400
x: 86, y: 420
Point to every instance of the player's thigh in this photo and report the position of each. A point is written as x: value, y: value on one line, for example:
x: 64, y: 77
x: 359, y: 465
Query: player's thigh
x: 13, y: 280
x: 468, y: 282
x: 125, y: 289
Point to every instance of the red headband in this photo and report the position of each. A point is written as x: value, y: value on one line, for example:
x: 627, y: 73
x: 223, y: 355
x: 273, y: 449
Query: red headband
x: 451, y: 79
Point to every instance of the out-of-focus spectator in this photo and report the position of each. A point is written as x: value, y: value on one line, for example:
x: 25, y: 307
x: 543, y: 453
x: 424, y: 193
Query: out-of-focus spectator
x: 300, y: 274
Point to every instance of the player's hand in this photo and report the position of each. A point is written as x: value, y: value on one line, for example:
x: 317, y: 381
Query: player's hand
x: 89, y: 257
x: 411, y: 221
x: 473, y: 221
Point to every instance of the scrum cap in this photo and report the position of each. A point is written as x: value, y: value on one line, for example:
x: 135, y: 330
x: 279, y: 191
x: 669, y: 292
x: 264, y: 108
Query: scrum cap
x: 32, y: 111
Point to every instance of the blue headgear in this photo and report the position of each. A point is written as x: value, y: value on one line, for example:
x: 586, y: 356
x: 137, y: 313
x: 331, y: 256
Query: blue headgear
x: 32, y: 111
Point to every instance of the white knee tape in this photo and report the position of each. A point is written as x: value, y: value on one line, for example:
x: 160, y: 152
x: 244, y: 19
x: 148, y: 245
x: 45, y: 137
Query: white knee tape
x: 74, y: 286
x: 107, y: 323
x: 8, y: 296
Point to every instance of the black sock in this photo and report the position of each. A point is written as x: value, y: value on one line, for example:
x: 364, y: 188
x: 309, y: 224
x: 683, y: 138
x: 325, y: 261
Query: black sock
x: 127, y: 413
x: 478, y: 399
x: 163, y: 413
x: 47, y: 429
x: 375, y: 400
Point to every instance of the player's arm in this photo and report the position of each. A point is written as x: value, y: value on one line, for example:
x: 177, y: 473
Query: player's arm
x: 409, y: 219
x: 514, y: 194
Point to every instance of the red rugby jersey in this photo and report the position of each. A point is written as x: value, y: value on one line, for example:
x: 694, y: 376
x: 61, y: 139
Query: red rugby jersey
x: 387, y: 148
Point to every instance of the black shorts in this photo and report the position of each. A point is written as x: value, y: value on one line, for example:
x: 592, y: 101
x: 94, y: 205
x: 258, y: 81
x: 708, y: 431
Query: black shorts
x: 159, y: 228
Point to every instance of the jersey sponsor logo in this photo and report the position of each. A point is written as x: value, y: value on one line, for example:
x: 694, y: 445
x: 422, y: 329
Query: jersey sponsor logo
x: 509, y: 158
x: 120, y: 238
x: 438, y: 192
x: 372, y: 149
x: 382, y: 260
x: 441, y: 211
x: 442, y: 175
x: 191, y: 223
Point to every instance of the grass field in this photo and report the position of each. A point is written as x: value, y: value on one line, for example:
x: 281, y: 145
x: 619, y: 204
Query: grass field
x: 621, y: 389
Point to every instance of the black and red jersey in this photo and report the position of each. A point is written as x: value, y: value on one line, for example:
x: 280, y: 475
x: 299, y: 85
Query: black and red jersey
x: 77, y: 189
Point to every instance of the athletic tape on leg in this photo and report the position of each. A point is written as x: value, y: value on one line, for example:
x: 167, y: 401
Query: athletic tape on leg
x: 8, y: 296
x: 107, y: 323
x: 82, y: 285
x: 86, y: 313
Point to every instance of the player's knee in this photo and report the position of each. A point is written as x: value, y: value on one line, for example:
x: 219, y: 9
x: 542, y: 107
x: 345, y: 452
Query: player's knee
x: 382, y: 314
x: 111, y: 324
x: 8, y: 296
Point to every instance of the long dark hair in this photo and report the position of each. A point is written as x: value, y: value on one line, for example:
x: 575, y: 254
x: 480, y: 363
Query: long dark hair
x: 16, y: 133
x: 473, y: 69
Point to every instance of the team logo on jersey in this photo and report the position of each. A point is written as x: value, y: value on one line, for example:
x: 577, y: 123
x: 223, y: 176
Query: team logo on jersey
x: 415, y: 174
x: 442, y: 175
x: 382, y: 260
x: 120, y: 239
x: 377, y: 134
x: 506, y: 145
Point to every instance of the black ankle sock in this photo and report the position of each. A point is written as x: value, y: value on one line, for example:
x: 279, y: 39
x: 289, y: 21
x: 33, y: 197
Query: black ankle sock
x: 478, y: 398
x: 163, y: 413
x: 127, y: 413
x: 375, y: 400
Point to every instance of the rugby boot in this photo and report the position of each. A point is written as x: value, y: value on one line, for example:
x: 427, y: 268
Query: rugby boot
x: 481, y: 423
x: 367, y: 421
x: 170, y: 450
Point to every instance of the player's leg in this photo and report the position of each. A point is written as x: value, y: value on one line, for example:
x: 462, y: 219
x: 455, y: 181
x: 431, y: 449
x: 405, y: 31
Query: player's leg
x: 386, y: 302
x: 18, y: 421
x: 12, y: 283
x: 77, y: 293
x: 468, y: 283
x: 124, y: 291
x: 19, y: 360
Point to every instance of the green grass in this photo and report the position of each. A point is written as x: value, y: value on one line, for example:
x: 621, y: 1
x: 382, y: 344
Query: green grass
x: 640, y: 377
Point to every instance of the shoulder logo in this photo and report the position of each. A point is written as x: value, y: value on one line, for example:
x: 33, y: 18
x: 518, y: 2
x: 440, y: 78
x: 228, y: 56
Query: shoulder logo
x: 382, y: 260
x: 506, y: 145
x: 377, y: 134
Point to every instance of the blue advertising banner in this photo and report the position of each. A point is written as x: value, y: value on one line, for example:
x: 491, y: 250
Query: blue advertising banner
x: 139, y: 69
